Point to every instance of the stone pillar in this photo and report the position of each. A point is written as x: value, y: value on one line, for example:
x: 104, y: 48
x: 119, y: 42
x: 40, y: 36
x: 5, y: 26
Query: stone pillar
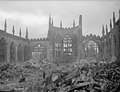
x: 22, y: 53
x: 109, y: 47
x: 30, y: 52
x: 80, y: 52
x: 102, y: 50
x: 8, y: 53
x: 113, y: 49
x: 117, y: 43
x: 51, y: 53
x: 16, y: 58
x: 119, y: 38
x: 48, y: 51
x: 113, y: 46
x: 105, y: 49
x: 99, y: 51
x: 62, y: 49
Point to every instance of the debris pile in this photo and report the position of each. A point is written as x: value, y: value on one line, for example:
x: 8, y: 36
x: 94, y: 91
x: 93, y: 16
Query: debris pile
x: 95, y: 76
x: 18, y: 76
x: 109, y: 77
x: 100, y: 77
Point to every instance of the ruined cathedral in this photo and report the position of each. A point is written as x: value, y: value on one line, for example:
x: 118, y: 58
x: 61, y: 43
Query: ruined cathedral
x: 62, y: 45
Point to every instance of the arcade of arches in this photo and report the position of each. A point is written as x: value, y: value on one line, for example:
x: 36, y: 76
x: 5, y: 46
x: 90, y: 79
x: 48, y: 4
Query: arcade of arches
x: 65, y: 49
x: 15, y: 55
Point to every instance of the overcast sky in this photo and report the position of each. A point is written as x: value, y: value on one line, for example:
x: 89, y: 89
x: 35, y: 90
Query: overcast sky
x: 35, y: 15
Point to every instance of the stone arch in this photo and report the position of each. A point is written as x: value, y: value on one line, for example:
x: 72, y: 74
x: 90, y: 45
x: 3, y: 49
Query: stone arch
x: 19, y: 53
x: 25, y: 53
x: 39, y: 51
x: 12, y: 52
x: 86, y: 40
x: 91, y: 48
x: 3, y: 50
x: 67, y: 45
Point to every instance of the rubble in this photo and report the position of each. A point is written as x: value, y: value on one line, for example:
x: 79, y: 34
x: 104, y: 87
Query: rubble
x: 81, y: 75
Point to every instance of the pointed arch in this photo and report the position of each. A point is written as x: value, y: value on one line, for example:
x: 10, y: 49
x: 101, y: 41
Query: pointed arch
x: 39, y: 51
x: 92, y: 48
x: 3, y: 50
x: 12, y: 52
x: 19, y: 53
x: 67, y: 46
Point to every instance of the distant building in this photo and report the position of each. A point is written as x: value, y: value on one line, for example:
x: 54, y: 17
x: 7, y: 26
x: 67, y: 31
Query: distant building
x: 62, y: 45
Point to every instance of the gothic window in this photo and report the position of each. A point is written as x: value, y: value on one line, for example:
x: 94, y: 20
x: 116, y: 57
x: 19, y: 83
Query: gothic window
x: 92, y: 48
x: 39, y: 52
x: 67, y: 45
x: 25, y: 53
x: 12, y: 52
x: 3, y: 48
x: 19, y: 53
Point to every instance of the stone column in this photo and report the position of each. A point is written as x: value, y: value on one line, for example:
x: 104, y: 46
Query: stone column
x: 80, y: 55
x: 105, y: 49
x: 30, y: 52
x: 22, y: 53
x: 119, y: 39
x: 102, y: 52
x: 113, y: 48
x: 99, y: 51
x: 16, y: 58
x: 8, y: 53
x: 48, y: 52
x: 51, y: 53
